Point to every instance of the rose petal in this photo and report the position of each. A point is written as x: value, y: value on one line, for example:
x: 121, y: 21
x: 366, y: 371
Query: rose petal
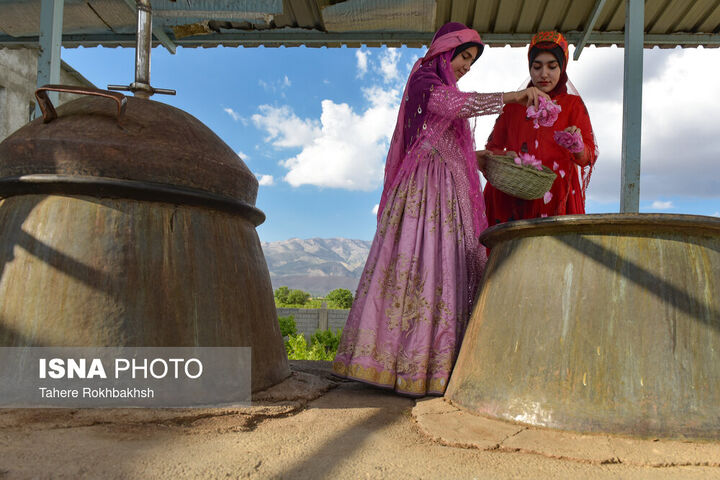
x: 555, y: 165
x: 562, y: 173
x: 547, y: 197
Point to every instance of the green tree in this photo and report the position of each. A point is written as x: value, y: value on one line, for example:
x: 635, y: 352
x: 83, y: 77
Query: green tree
x: 287, y: 326
x: 298, y: 297
x: 281, y: 294
x: 341, y: 297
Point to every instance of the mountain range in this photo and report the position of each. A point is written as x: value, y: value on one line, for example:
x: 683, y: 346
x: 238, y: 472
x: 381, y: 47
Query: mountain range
x: 316, y: 265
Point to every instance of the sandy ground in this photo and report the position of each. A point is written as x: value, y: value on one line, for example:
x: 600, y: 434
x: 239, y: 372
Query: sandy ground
x: 348, y: 430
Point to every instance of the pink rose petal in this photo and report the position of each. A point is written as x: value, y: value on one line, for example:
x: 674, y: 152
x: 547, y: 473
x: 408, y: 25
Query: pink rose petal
x: 547, y: 197
x: 571, y: 141
x: 562, y: 173
x: 555, y: 165
x: 545, y: 114
x: 543, y: 215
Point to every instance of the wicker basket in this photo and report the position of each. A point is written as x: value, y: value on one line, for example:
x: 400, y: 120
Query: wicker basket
x: 521, y: 181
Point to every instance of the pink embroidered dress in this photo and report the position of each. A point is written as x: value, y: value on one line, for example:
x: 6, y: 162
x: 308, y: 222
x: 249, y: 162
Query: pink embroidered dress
x: 416, y: 291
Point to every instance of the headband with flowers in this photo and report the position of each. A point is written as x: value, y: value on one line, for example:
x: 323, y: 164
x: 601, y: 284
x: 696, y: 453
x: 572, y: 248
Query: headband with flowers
x: 547, y: 41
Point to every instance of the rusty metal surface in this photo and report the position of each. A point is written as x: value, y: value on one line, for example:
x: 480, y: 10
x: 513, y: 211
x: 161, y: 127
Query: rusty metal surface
x: 130, y: 189
x: 626, y: 224
x: 607, y: 323
x: 79, y: 270
x: 48, y: 109
x: 152, y: 142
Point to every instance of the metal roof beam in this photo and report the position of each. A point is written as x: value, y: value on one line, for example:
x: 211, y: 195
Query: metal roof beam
x: 599, y: 4
x: 156, y: 30
x: 319, y: 39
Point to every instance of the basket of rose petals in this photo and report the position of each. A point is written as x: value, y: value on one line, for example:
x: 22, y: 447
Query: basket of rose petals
x: 522, y: 176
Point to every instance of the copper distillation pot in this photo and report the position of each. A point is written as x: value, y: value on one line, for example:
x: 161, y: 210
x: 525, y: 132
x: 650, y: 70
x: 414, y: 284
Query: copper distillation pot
x: 127, y: 222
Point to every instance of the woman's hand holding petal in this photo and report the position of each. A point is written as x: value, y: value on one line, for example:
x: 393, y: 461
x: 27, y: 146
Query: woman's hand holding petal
x: 573, y: 129
x: 530, y: 96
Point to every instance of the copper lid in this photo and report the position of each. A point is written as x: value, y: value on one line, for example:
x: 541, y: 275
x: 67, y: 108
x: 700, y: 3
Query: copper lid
x: 152, y: 150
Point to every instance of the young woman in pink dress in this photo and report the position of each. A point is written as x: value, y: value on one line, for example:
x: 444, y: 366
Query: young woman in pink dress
x: 416, y: 291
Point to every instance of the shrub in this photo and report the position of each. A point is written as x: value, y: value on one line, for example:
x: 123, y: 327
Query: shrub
x: 281, y: 294
x: 327, y: 339
x: 298, y: 297
x: 323, y: 346
x: 297, y: 349
x: 340, y: 298
x: 287, y: 326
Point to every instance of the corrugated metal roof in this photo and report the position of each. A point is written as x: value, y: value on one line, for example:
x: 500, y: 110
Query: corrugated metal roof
x: 333, y: 23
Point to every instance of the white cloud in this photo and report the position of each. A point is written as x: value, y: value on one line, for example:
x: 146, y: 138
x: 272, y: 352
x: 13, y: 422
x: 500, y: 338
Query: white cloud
x: 275, y: 86
x: 235, y: 116
x: 389, y: 65
x: 716, y: 214
x: 285, y: 129
x: 660, y: 205
x: 377, y: 207
x: 243, y: 156
x: 362, y: 61
x: 265, y: 180
x: 345, y: 149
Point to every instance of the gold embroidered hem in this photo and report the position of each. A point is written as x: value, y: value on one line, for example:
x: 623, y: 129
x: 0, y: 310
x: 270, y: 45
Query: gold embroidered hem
x: 385, y: 378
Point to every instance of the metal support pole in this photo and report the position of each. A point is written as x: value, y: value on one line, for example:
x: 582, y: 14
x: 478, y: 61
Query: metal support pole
x: 141, y: 86
x: 142, y: 50
x: 599, y: 4
x: 632, y: 105
x: 51, y: 23
x: 157, y: 31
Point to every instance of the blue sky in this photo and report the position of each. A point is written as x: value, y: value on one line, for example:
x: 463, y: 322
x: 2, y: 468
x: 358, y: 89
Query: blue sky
x: 314, y: 124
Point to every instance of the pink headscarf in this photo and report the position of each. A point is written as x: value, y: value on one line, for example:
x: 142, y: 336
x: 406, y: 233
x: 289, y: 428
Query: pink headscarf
x: 413, y: 131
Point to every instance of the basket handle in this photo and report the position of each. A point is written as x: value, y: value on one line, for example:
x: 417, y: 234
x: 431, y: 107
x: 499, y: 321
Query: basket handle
x: 48, y: 110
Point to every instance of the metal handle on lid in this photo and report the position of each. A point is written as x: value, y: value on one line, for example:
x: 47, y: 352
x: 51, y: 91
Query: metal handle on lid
x: 48, y: 110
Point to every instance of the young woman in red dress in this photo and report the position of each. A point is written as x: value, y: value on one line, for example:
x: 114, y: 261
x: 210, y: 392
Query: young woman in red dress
x: 548, y: 59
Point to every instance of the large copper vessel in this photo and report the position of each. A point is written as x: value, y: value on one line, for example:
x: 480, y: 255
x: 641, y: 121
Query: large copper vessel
x: 127, y: 222
x: 598, y: 323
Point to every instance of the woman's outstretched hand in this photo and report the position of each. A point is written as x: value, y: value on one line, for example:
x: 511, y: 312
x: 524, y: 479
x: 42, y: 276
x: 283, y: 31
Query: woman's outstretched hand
x: 527, y: 97
x: 579, y: 156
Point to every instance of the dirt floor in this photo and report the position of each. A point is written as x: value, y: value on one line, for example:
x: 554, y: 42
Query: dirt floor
x: 312, y: 427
